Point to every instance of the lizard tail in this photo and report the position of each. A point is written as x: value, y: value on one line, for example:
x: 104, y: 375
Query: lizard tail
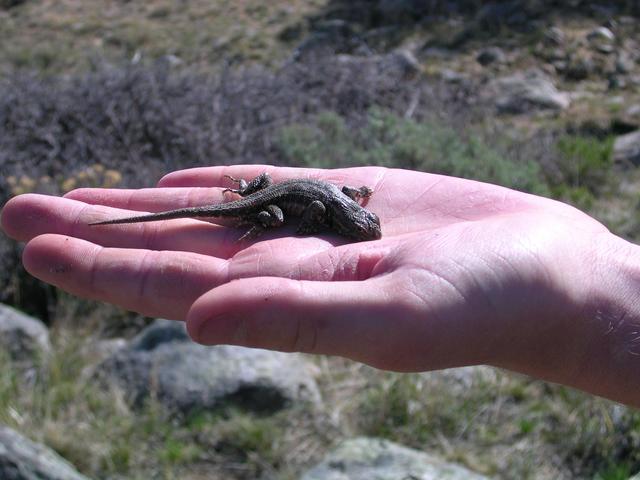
x: 152, y: 217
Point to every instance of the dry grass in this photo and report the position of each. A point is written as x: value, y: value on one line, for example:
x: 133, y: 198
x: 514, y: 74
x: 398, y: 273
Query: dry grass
x: 62, y: 36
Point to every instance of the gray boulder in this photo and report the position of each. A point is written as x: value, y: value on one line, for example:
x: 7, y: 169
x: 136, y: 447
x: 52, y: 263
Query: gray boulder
x: 555, y: 36
x: 163, y: 361
x: 21, y: 336
x: 626, y: 149
x: 602, y: 39
x: 22, y: 459
x: 523, y: 92
x: 633, y: 111
x: 624, y: 63
x: 369, y: 458
x: 601, y: 34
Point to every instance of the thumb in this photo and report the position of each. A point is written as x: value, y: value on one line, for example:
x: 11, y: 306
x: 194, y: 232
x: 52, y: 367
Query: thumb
x: 354, y: 319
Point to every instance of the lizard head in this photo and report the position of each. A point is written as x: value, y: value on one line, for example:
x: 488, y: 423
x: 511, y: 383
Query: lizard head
x: 362, y: 225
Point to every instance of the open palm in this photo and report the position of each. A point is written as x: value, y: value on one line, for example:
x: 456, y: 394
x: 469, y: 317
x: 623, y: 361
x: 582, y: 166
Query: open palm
x: 465, y: 272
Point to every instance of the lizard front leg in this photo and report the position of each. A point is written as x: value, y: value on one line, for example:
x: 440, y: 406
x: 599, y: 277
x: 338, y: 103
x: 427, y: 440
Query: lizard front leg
x: 356, y: 193
x: 261, y: 181
x: 270, y: 217
x: 313, y: 218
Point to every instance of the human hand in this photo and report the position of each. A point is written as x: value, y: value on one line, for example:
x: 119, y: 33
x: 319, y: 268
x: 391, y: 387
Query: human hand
x: 465, y: 273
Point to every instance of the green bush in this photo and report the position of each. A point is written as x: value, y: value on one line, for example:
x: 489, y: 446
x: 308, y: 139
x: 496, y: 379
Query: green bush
x: 388, y: 140
x: 582, y: 169
x: 585, y: 161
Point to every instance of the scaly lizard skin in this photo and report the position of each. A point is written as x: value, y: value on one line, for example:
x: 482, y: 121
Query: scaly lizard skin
x: 264, y: 205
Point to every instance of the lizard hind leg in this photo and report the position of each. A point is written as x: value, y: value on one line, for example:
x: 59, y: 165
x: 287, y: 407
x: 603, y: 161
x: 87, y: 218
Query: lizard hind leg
x: 270, y: 217
x: 246, y: 188
x: 313, y: 219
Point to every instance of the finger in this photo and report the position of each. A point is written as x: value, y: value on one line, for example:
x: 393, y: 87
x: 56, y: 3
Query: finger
x: 27, y: 216
x: 358, y: 320
x: 153, y: 283
x: 280, y: 314
x: 216, y: 176
x: 148, y: 199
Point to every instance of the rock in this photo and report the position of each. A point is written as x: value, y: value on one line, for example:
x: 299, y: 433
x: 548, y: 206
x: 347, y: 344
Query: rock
x: 491, y: 55
x: 616, y: 82
x: 560, y: 66
x: 624, y: 63
x: 23, y: 337
x: 22, y: 459
x: 523, y: 92
x: 602, y: 39
x: 633, y: 110
x: 172, y: 60
x: 369, y: 458
x: 184, y: 376
x: 158, y: 333
x: 401, y: 62
x: 601, y: 34
x: 451, y: 76
x: 579, y: 68
x: 397, y: 65
x: 626, y: 149
x: 437, y: 53
x: 552, y: 54
x: 554, y: 36
x: 605, y: 48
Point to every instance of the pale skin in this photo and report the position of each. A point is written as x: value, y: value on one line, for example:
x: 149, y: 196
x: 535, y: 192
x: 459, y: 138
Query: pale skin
x: 465, y: 273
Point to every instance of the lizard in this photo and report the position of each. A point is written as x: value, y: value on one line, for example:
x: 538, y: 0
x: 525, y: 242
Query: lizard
x: 263, y: 204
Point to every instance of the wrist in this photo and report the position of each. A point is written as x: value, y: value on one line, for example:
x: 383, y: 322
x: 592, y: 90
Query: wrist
x: 585, y: 332
x: 610, y: 317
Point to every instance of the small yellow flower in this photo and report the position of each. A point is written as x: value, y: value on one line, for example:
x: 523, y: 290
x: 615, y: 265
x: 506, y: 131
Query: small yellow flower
x: 27, y: 183
x: 111, y: 178
x: 68, y: 185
